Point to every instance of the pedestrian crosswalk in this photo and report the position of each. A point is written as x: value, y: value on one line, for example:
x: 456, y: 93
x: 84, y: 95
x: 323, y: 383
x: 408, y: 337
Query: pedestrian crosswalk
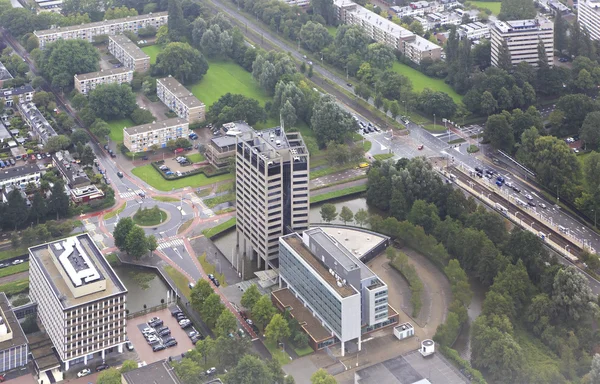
x: 208, y: 212
x: 171, y: 244
x: 130, y: 194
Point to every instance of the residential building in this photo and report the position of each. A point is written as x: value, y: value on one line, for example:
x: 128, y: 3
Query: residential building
x: 159, y: 372
x: 78, y: 184
x: 24, y: 93
x: 37, y: 122
x: 472, y: 13
x: 141, y: 137
x: 180, y: 100
x: 522, y: 38
x: 4, y: 74
x: 13, y: 342
x: 81, y: 300
x: 589, y: 17
x: 474, y: 31
x: 424, y: 22
x: 221, y: 149
x: 128, y: 53
x: 338, y: 289
x: 387, y: 32
x: 272, y: 196
x: 87, y: 82
x: 49, y: 5
x: 299, y: 3
x: 20, y: 176
x: 106, y: 27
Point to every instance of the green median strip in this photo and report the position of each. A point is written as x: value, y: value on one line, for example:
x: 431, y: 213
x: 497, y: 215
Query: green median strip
x: 15, y: 287
x: 13, y: 269
x: 114, y: 213
x: 219, y: 228
x: 339, y: 193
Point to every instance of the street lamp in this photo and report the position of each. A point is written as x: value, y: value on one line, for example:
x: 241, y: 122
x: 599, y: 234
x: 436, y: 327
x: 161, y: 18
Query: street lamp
x: 434, y: 121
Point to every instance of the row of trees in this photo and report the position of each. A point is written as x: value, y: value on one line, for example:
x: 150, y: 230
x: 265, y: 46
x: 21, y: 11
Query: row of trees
x: 131, y: 238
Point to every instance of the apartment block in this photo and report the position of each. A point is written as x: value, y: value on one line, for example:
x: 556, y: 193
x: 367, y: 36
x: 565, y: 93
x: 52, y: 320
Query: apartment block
x: 272, y: 196
x: 13, y: 342
x: 106, y: 27
x: 589, y: 17
x: 522, y: 38
x: 180, y: 100
x: 20, y: 176
x: 141, y: 137
x: 87, y: 82
x: 385, y: 31
x: 474, y: 31
x: 128, y: 53
x: 333, y: 285
x: 81, y: 301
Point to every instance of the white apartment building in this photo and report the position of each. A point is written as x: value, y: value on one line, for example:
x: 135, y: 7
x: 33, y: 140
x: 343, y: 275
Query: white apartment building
x: 81, y: 301
x: 141, y: 137
x: 522, y: 38
x: 106, y: 27
x: 387, y: 32
x: 180, y: 100
x: 272, y: 196
x: 474, y: 31
x: 589, y: 17
x: 128, y: 53
x: 20, y: 176
x: 87, y: 82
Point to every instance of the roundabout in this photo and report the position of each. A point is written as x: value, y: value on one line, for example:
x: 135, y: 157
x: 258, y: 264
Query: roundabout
x: 150, y: 217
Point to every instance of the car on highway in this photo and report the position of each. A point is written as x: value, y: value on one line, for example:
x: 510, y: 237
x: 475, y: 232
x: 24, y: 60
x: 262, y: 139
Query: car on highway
x: 84, y: 372
x: 543, y: 206
x: 120, y: 174
x: 516, y: 189
x: 18, y: 261
x: 532, y: 203
x: 349, y: 84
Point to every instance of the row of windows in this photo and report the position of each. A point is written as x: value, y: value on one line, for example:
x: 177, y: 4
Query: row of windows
x: 381, y: 293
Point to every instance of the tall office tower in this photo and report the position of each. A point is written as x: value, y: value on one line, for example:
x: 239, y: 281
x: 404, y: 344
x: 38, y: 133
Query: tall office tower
x: 588, y: 15
x: 522, y: 38
x: 272, y: 197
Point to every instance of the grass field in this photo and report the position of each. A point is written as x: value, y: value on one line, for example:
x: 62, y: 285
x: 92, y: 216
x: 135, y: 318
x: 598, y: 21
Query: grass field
x: 214, y: 201
x: 421, y: 81
x: 195, y: 158
x: 151, y: 176
x: 493, y: 6
x: 149, y: 216
x: 166, y: 199
x: 14, y: 269
x: 210, y: 269
x: 152, y: 51
x: 436, y: 128
x: 339, y: 193
x: 15, y: 287
x: 219, y: 228
x: 116, y: 128
x: 281, y: 356
x: 332, y: 30
x: 115, y: 212
x: 180, y: 280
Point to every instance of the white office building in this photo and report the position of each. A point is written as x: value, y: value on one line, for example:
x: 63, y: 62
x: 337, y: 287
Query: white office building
x: 81, y: 301
x: 589, y: 17
x: 522, y: 38
x: 474, y: 31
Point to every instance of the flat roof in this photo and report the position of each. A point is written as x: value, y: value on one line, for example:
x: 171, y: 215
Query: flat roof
x: 18, y: 336
x: 423, y: 44
x: 8, y: 92
x: 70, y: 169
x: 144, y: 128
x: 181, y: 92
x: 103, y: 73
x: 296, y: 243
x: 227, y: 140
x: 100, y: 23
x: 523, y: 25
x: 45, y: 254
x: 129, y: 46
x: 4, y: 74
x: 375, y: 20
x: 340, y: 253
x: 42, y: 349
x: 157, y: 372
x: 10, y: 172
x: 359, y: 242
x: 311, y: 325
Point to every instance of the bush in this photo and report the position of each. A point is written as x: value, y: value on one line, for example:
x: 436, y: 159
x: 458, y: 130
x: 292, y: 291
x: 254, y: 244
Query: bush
x: 400, y: 263
x: 454, y: 357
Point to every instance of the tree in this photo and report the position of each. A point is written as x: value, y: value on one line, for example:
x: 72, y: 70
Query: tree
x: 322, y: 377
x: 499, y: 132
x: 15, y: 209
x: 437, y: 103
x: 346, y: 215
x: 380, y: 56
x: 263, y: 311
x: 151, y: 243
x: 560, y: 33
x: 232, y: 107
x: 517, y: 10
x: 594, y: 374
x: 314, y: 36
x: 504, y: 100
x: 212, y: 309
x: 277, y: 329
x: 584, y: 81
x: 288, y: 115
x: 63, y: 59
x: 112, y: 101
x: 128, y: 365
x: 39, y: 209
x: 188, y: 370
x: 504, y: 59
x: 135, y: 242
x: 328, y: 212
x: 199, y: 293
x: 110, y: 376
x: 177, y: 25
x: 590, y: 129
x: 142, y: 116
x: 57, y: 143
x: 198, y: 26
x: 250, y: 297
x: 361, y: 216
x: 572, y: 295
x: 59, y: 201
x: 79, y: 136
x: 183, y: 62
x: 330, y: 122
x: 249, y: 370
x: 488, y: 103
x: 325, y: 9
x: 555, y: 164
x: 226, y: 324
x: 576, y: 107
x: 210, y: 42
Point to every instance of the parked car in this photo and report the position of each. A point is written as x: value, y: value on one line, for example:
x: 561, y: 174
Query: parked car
x: 180, y: 316
x: 129, y: 346
x: 211, y: 277
x: 158, y: 347
x: 171, y: 343
x: 166, y: 332
x: 12, y: 161
x: 175, y: 312
x: 169, y: 173
x: 185, y: 323
x: 3, y: 265
x: 84, y: 372
x: 211, y: 371
x: 216, y: 282
x: 102, y: 367
x: 153, y: 340
x: 162, y: 328
x: 195, y: 339
x: 144, y: 157
x: 148, y: 330
x: 192, y: 334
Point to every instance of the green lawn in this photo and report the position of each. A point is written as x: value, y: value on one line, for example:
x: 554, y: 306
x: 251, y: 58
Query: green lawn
x: 281, y: 356
x: 210, y: 269
x: 421, y: 81
x: 226, y: 76
x: 151, y: 176
x: 214, y: 201
x: 332, y: 30
x: 152, y: 51
x: 435, y: 128
x: 219, y: 228
x: 116, y: 128
x: 115, y: 212
x: 147, y: 217
x: 14, y: 269
x: 339, y: 193
x: 166, y: 199
x: 195, y: 158
x: 15, y: 287
x: 180, y: 281
x: 493, y: 6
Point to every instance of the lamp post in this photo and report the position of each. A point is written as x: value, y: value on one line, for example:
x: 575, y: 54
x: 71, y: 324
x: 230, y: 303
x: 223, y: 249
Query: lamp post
x: 434, y: 121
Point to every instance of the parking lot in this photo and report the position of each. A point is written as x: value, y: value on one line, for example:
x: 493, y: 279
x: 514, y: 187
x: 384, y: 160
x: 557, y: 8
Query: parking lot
x: 144, y: 350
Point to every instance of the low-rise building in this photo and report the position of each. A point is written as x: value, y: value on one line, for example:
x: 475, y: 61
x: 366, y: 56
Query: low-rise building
x: 321, y: 278
x: 14, y: 351
x: 20, y: 176
x: 49, y: 5
x: 180, y: 100
x: 522, y: 38
x: 37, y: 122
x: 141, y: 137
x: 474, y: 31
x: 106, y: 27
x: 4, y: 74
x: 87, y: 82
x: 221, y: 149
x: 81, y: 300
x: 128, y: 53
x: 24, y: 93
x: 159, y: 372
x: 78, y: 184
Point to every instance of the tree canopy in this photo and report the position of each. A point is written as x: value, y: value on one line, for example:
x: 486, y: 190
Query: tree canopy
x: 183, y: 62
x: 63, y: 59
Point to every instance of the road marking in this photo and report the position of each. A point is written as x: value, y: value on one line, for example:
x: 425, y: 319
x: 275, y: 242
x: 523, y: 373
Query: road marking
x: 170, y: 243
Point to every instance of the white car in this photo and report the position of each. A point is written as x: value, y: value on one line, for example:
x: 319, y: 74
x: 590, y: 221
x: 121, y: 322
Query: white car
x: 84, y: 372
x: 18, y: 261
x: 211, y: 371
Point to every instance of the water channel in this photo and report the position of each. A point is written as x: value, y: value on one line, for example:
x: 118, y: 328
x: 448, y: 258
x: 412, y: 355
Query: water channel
x: 144, y: 286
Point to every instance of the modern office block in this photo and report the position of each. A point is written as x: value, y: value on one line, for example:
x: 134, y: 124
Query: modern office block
x: 272, y: 196
x: 522, y: 38
x: 221, y: 149
x: 13, y: 342
x: 588, y: 15
x: 81, y: 301
x: 106, y: 27
x: 87, y: 82
x: 180, y: 100
x: 141, y: 137
x: 128, y: 53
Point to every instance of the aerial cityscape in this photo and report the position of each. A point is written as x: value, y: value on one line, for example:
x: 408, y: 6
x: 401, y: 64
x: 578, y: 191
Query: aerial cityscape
x: 299, y: 191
